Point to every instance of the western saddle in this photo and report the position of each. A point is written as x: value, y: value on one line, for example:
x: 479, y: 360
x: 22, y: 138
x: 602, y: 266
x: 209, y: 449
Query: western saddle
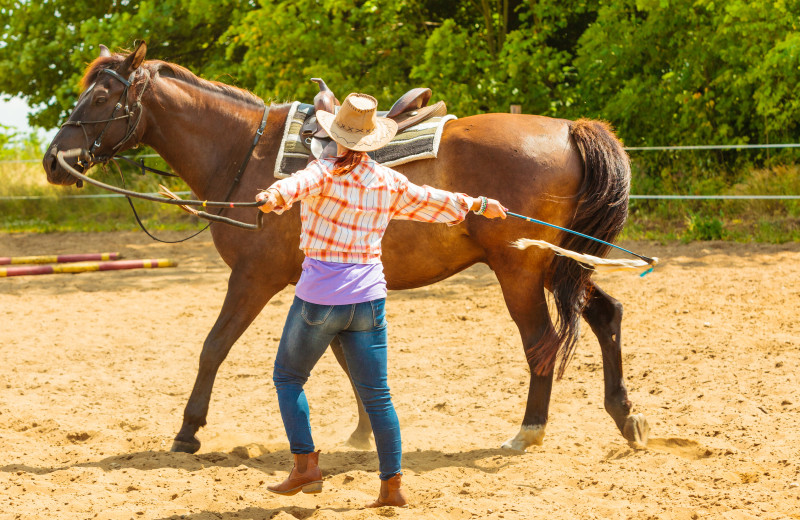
x: 412, y: 108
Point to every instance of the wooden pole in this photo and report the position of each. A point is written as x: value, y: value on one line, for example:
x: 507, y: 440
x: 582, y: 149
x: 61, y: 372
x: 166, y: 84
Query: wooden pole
x: 81, y: 267
x: 57, y: 259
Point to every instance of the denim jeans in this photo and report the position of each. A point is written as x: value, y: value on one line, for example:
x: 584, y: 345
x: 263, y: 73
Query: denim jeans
x: 361, y: 329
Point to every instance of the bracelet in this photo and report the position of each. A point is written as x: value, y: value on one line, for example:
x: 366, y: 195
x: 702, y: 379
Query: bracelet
x: 484, y: 203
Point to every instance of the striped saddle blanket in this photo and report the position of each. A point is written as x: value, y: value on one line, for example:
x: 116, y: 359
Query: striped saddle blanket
x: 417, y: 142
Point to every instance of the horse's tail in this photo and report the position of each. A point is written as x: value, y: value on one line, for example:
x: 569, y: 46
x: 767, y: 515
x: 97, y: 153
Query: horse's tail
x: 601, y: 213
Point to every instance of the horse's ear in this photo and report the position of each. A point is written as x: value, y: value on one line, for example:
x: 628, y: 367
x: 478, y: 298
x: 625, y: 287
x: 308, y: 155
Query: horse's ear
x: 134, y: 59
x: 104, y: 52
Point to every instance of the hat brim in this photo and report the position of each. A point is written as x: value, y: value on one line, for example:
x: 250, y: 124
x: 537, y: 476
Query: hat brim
x: 385, y: 129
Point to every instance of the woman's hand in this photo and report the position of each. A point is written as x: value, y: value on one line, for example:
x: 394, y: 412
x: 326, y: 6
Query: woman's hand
x: 493, y: 208
x: 273, y: 199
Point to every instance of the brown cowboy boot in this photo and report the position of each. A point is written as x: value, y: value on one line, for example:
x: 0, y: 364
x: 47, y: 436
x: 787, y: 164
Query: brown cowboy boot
x: 391, y: 494
x: 305, y: 476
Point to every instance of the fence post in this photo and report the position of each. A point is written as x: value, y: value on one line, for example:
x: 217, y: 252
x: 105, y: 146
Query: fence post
x: 515, y: 109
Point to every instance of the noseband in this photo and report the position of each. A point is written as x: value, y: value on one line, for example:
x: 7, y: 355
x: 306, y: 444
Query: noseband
x: 133, y: 124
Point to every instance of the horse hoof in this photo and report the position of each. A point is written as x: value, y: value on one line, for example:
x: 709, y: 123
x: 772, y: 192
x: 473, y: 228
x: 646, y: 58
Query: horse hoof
x: 527, y: 436
x: 636, y: 431
x: 185, y: 447
x: 359, y: 442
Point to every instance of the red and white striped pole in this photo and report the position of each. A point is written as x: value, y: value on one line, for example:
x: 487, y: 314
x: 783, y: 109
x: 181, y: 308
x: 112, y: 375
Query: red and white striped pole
x: 58, y: 259
x: 82, y: 267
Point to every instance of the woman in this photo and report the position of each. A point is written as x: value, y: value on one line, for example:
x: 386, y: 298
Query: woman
x: 347, y: 202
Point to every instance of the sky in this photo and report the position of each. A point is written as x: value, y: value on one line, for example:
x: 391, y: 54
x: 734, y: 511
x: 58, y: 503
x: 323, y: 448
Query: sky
x: 14, y: 113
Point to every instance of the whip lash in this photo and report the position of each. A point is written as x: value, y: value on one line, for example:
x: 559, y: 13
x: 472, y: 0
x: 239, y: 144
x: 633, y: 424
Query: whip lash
x: 604, y: 265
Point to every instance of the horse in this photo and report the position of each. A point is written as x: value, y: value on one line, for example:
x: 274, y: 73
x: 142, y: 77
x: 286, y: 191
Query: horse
x: 573, y: 174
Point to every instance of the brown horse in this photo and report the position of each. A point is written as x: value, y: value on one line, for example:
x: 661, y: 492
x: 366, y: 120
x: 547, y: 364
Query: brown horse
x: 572, y: 174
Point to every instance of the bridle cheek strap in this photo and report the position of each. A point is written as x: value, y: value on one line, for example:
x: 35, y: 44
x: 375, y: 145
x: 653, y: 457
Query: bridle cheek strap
x: 137, y: 107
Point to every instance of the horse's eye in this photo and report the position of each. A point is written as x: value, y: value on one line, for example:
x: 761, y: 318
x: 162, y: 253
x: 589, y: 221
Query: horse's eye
x: 100, y: 100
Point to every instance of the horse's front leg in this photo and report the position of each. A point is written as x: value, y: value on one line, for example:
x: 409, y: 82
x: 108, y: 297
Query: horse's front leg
x: 363, y: 432
x: 244, y: 300
x: 604, y: 315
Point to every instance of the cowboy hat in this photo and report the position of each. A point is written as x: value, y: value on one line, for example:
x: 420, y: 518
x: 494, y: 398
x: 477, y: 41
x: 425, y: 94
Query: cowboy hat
x: 356, y: 125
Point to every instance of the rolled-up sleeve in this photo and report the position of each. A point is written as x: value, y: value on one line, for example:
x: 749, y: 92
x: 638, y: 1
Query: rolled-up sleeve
x: 305, y: 183
x: 427, y: 204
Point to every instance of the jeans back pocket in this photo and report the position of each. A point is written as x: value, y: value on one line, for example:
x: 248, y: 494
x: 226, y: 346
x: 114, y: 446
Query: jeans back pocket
x: 379, y: 313
x: 315, y: 314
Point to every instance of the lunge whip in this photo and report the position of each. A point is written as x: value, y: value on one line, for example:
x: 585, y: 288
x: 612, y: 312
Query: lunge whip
x: 600, y: 264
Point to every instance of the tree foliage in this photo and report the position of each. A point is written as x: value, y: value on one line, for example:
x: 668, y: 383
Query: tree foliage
x: 693, y: 71
x: 46, y: 45
x: 662, y: 71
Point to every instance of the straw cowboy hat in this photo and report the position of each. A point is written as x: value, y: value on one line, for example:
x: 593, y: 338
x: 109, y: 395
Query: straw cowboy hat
x: 356, y: 125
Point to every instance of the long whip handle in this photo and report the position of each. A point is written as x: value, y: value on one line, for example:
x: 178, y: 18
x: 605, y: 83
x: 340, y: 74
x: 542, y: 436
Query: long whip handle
x: 535, y: 221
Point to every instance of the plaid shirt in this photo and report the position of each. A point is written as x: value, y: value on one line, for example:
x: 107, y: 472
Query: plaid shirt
x: 344, y: 217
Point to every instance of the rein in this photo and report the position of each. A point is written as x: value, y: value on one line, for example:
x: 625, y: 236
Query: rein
x: 202, y: 214
x: 82, y: 154
x: 142, y: 166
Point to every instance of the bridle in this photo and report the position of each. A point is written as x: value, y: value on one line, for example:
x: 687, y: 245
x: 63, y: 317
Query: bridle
x: 133, y: 124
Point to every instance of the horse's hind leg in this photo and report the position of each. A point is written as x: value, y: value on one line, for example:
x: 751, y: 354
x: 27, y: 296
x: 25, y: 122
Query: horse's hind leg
x: 535, y: 420
x: 604, y: 315
x: 525, y: 299
x: 360, y: 437
x: 244, y: 300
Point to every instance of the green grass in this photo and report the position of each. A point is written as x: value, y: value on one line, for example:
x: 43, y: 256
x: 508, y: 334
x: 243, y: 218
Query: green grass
x: 770, y: 221
x: 54, y: 210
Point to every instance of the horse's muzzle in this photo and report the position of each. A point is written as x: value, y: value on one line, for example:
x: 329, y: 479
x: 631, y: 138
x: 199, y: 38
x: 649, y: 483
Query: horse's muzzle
x: 58, y: 175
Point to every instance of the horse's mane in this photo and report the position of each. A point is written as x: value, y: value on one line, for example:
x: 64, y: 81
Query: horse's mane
x: 94, y: 68
x: 171, y: 70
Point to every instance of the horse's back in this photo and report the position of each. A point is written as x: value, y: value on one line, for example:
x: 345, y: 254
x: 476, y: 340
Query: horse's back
x: 529, y: 163
x: 521, y: 160
x: 513, y: 148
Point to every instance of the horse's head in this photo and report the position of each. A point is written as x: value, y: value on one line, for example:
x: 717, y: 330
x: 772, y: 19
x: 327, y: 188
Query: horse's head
x: 107, y: 118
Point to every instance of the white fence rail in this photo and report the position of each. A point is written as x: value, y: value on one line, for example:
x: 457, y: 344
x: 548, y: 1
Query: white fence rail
x: 711, y: 147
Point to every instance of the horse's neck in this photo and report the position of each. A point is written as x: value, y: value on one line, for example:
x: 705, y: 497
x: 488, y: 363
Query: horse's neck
x: 203, y: 136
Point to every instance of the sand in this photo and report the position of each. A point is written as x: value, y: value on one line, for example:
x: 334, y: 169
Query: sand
x: 96, y: 369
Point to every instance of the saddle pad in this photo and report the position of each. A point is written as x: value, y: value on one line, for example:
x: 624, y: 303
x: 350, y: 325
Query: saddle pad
x: 420, y: 141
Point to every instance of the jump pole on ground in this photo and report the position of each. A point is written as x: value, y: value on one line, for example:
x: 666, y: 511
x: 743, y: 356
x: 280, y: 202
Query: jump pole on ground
x: 58, y: 259
x: 82, y: 267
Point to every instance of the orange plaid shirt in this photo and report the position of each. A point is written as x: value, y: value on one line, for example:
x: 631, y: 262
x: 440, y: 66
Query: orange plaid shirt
x: 344, y: 217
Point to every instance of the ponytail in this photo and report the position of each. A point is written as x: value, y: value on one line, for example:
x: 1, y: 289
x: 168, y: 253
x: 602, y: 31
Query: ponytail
x: 345, y: 163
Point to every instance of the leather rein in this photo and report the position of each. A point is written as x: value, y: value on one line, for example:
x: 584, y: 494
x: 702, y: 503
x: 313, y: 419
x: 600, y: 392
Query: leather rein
x: 87, y: 158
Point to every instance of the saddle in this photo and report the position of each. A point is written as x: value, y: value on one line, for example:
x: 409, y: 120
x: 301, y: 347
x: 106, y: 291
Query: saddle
x: 412, y: 108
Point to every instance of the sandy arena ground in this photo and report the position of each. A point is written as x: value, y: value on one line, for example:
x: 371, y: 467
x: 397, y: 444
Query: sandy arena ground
x: 96, y: 369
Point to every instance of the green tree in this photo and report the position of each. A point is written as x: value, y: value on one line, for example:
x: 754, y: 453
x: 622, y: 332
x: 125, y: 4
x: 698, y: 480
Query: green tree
x: 46, y: 45
x: 523, y: 57
x: 366, y: 46
x: 479, y: 55
x: 692, y: 71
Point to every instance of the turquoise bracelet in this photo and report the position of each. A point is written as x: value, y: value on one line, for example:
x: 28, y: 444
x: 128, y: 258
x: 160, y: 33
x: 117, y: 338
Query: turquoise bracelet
x: 484, y: 203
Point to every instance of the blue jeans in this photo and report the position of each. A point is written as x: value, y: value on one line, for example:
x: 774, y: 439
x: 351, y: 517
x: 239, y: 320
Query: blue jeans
x: 361, y: 328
